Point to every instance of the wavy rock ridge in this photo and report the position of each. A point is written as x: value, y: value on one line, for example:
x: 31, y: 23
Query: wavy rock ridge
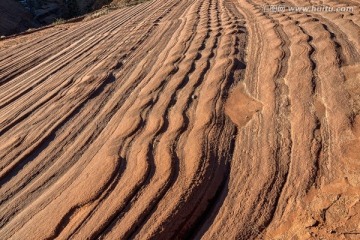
x: 184, y: 119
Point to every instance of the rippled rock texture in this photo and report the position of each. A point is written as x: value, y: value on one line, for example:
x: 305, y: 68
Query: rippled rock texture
x: 184, y: 119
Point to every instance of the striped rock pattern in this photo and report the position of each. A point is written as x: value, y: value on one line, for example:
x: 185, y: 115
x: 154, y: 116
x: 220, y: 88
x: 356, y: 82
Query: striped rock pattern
x: 184, y: 119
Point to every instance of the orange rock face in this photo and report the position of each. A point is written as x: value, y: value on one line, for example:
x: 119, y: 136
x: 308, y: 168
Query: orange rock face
x: 192, y: 119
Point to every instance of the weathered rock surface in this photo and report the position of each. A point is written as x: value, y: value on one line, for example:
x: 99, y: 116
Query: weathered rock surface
x: 184, y: 119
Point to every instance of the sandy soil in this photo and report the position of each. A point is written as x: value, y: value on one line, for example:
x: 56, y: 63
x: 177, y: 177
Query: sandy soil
x: 191, y: 119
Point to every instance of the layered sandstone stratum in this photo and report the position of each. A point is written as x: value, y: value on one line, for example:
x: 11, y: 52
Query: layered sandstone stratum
x: 184, y: 119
